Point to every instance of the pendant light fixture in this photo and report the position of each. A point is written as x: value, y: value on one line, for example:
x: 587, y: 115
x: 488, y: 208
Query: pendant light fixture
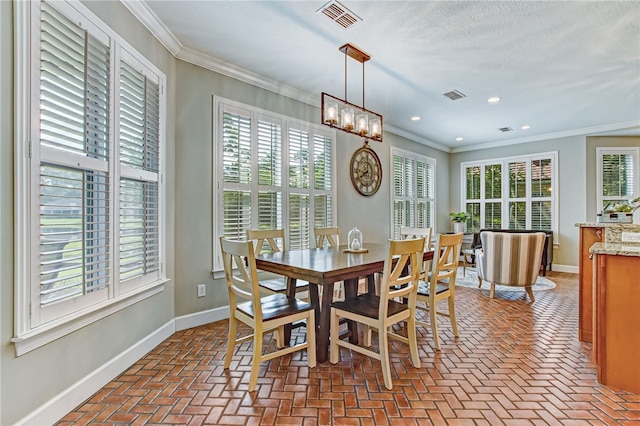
x: 346, y: 116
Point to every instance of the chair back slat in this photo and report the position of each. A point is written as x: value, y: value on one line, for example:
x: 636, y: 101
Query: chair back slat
x: 445, y: 262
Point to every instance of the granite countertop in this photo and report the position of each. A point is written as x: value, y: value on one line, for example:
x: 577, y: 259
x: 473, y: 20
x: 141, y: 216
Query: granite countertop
x: 607, y: 225
x: 620, y: 249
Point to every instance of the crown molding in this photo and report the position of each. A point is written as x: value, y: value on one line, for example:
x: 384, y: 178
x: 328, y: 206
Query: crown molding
x: 586, y: 131
x: 213, y: 64
x: 150, y: 20
x: 415, y: 138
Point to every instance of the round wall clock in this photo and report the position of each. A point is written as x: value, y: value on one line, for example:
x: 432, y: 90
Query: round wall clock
x: 366, y: 171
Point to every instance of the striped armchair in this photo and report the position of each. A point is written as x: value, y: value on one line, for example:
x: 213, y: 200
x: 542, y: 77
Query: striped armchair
x: 510, y: 258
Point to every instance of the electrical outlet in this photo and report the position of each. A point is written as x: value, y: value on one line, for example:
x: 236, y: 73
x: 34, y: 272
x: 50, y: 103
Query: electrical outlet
x: 202, y: 290
x: 631, y: 237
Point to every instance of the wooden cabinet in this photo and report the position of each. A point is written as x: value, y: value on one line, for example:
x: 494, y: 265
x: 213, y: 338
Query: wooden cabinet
x: 588, y: 237
x: 617, y: 321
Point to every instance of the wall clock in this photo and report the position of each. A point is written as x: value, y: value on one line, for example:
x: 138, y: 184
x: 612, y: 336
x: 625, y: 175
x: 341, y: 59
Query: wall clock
x: 366, y: 171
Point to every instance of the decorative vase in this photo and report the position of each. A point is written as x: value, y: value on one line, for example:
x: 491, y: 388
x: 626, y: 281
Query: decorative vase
x: 458, y: 227
x: 354, y: 239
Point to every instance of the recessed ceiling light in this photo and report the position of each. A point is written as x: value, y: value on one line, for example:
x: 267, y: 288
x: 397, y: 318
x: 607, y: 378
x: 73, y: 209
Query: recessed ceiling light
x: 459, y: 138
x: 525, y: 127
x: 415, y: 118
x: 493, y: 100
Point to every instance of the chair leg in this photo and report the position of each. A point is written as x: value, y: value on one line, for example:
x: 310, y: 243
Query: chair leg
x: 257, y: 355
x: 231, y: 342
x: 452, y: 316
x: 479, y: 282
x: 434, y: 324
x: 366, y: 336
x: 333, y: 344
x: 383, y: 341
x: 493, y: 291
x: 280, y: 337
x: 530, y: 293
x: 413, y: 340
x: 311, y: 339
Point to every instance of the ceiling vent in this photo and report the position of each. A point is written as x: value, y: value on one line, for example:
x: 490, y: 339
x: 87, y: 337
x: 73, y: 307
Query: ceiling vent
x: 454, y: 95
x: 505, y: 129
x: 339, y: 14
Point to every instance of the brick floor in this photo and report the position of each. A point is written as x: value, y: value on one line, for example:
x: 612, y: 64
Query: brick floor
x: 515, y: 363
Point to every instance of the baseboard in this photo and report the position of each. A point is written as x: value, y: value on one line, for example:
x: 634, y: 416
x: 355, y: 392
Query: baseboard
x: 202, y: 318
x: 56, y: 408
x: 565, y: 268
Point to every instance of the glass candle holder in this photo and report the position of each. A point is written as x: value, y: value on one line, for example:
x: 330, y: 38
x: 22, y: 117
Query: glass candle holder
x: 354, y: 239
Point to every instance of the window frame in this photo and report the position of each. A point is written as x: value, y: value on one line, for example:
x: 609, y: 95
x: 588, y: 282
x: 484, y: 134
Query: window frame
x: 506, y: 199
x: 29, y: 332
x: 220, y: 105
x: 416, y: 157
x: 600, y: 153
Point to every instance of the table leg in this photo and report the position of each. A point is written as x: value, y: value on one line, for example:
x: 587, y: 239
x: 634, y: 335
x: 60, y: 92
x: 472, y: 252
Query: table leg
x: 351, y: 290
x: 291, y: 292
x: 323, y: 319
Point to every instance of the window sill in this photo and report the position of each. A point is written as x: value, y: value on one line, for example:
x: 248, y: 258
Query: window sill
x: 26, y: 342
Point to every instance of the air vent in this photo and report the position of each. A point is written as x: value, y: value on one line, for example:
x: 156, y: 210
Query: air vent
x: 339, y: 14
x: 454, y: 95
x: 505, y: 129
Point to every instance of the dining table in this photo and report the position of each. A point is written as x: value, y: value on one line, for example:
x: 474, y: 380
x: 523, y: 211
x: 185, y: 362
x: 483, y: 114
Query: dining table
x: 322, y: 268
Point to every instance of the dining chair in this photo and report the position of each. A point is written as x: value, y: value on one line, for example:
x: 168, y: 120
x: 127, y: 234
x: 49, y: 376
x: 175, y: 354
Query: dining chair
x: 380, y: 312
x: 327, y: 237
x: 440, y: 283
x: 273, y: 241
x: 412, y: 232
x: 264, y: 314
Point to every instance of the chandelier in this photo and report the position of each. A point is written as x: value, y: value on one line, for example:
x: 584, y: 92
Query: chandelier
x: 351, y: 118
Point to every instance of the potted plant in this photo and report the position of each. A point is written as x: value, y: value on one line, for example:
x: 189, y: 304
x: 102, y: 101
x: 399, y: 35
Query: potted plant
x: 459, y: 220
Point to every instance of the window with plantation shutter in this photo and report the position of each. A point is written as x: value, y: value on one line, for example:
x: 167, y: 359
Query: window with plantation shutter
x: 618, y: 176
x: 413, y: 191
x: 90, y: 184
x: 274, y: 172
x: 512, y: 193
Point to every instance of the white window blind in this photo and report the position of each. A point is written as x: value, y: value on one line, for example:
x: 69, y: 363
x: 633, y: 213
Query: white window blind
x: 513, y: 193
x: 413, y: 191
x: 90, y: 184
x: 274, y: 173
x: 617, y: 175
x: 74, y: 116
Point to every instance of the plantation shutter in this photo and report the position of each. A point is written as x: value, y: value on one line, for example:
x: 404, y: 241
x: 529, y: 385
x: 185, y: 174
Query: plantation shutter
x: 322, y: 181
x: 299, y: 182
x: 139, y: 164
x: 617, y: 177
x: 413, y: 192
x: 73, y: 153
x: 236, y: 170
x: 270, y: 203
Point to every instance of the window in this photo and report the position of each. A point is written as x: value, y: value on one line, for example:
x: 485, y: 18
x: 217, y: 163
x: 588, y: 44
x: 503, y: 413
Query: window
x: 274, y: 172
x: 513, y: 193
x: 618, y: 175
x: 413, y: 189
x: 92, y: 174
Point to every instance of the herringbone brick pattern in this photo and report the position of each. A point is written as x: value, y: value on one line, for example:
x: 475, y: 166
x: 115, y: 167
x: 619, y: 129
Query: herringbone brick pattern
x: 515, y: 363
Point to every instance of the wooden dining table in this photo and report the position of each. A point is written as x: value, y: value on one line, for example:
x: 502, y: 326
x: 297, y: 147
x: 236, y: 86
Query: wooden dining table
x: 323, y: 267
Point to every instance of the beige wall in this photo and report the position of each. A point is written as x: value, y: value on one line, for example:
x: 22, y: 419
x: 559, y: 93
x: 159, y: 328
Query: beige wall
x: 194, y: 164
x: 594, y: 142
x: 35, y: 378
x: 572, y: 175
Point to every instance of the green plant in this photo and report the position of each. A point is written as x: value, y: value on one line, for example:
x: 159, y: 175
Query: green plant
x: 461, y: 217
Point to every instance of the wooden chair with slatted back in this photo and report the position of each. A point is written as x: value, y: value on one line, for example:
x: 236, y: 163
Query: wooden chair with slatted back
x: 427, y: 233
x: 440, y: 283
x: 329, y: 237
x: 263, y: 314
x: 272, y: 241
x: 380, y: 312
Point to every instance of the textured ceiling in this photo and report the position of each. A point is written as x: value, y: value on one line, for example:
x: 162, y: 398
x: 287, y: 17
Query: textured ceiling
x: 563, y: 68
